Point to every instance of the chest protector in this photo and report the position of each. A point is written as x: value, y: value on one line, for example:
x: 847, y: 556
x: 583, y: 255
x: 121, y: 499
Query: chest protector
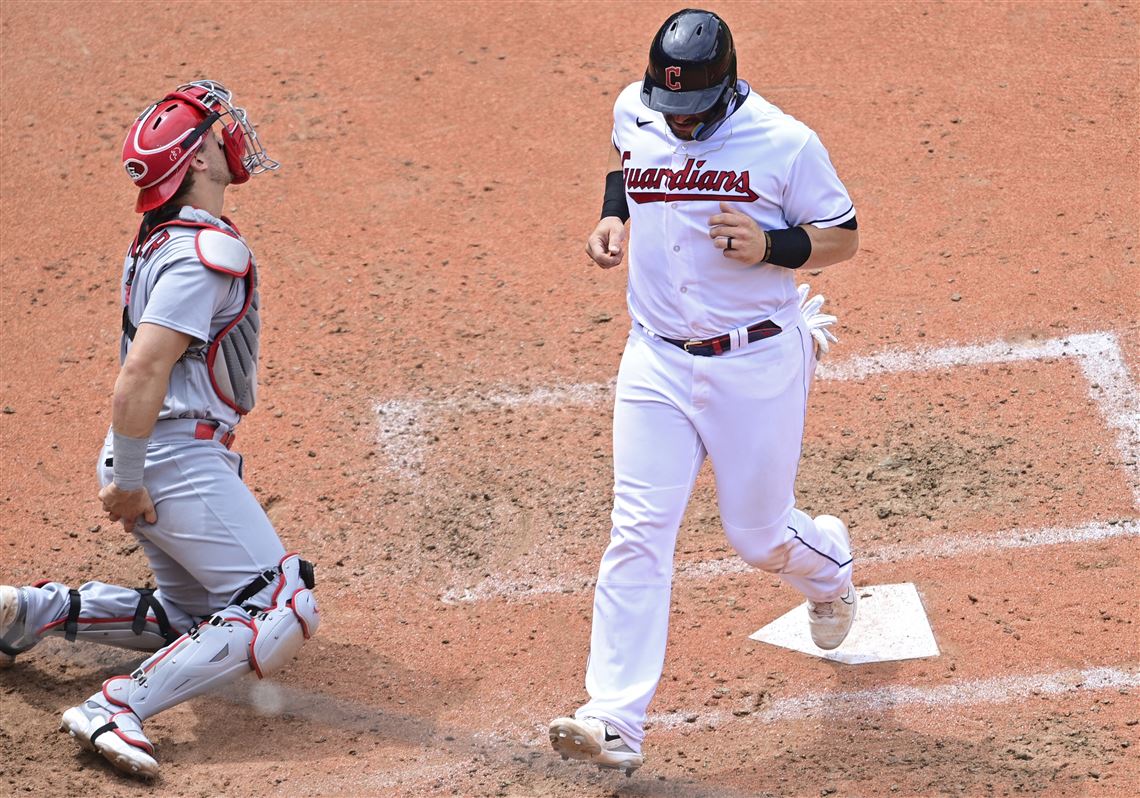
x: 231, y: 355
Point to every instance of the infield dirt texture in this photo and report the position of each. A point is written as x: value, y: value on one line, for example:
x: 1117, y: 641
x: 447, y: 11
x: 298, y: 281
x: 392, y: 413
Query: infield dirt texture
x: 434, y: 422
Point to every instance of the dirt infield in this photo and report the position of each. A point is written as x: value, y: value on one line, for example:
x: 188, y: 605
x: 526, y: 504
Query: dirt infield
x: 434, y: 421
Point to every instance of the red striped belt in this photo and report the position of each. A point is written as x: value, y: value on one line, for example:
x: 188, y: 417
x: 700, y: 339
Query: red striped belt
x: 707, y: 347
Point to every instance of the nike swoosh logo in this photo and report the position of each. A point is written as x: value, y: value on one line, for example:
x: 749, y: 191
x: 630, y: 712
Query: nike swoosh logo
x: 643, y: 124
x: 611, y: 737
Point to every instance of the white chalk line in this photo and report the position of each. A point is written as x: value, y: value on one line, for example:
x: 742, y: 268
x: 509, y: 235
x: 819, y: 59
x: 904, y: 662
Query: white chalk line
x: 849, y: 704
x: 519, y: 589
x: 838, y: 704
x: 405, y: 424
x: 440, y: 740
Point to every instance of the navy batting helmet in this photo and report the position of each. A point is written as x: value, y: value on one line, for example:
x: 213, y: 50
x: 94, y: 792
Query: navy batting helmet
x: 692, y: 65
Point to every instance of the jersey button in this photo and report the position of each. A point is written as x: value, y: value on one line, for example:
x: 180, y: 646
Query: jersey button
x: 676, y: 248
x: 684, y: 290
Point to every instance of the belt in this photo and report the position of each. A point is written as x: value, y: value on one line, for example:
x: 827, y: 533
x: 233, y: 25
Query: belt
x: 207, y: 430
x: 166, y: 429
x: 707, y: 347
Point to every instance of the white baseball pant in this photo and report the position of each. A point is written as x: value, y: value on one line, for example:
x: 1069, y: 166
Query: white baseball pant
x: 745, y: 411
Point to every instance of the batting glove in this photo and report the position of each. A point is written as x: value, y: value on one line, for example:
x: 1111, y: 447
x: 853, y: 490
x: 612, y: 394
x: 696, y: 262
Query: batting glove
x: 818, y: 323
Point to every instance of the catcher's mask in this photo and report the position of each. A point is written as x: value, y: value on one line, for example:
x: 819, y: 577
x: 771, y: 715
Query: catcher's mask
x: 692, y: 68
x: 160, y: 143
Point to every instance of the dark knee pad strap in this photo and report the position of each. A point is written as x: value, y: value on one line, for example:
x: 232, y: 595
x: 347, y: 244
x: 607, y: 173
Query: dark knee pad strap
x: 71, y: 625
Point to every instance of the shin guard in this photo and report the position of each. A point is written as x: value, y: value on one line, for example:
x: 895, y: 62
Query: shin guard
x: 232, y: 642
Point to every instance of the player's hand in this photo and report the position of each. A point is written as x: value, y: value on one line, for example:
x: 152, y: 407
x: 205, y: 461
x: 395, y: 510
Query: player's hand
x: 818, y: 324
x: 737, y: 235
x: 606, y: 245
x: 127, y: 505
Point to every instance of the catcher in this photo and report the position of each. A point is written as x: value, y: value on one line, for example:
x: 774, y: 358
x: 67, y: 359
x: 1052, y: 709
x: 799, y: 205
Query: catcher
x: 229, y: 598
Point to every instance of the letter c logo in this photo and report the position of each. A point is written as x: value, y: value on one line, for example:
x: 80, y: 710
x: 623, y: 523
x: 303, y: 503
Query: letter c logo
x: 673, y: 78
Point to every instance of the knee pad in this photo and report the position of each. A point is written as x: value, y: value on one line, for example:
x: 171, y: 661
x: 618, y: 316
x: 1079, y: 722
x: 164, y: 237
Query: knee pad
x: 288, y: 618
x: 279, y: 633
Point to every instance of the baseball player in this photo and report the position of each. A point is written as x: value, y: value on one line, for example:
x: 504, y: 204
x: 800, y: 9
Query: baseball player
x: 229, y: 599
x: 726, y: 196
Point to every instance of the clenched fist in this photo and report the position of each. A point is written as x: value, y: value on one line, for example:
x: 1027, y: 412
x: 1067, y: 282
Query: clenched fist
x: 606, y: 245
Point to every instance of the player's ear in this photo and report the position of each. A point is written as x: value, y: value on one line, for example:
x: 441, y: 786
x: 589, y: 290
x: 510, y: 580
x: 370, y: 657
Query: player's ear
x: 197, y: 162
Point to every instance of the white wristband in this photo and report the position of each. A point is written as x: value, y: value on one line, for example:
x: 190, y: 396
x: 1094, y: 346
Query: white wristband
x: 128, y: 461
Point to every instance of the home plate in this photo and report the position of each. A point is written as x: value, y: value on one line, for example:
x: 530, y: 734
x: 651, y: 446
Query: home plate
x: 890, y: 624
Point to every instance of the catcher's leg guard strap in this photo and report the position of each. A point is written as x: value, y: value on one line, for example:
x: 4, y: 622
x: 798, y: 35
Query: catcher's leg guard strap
x: 106, y: 727
x: 71, y: 625
x: 132, y: 618
x: 148, y: 603
x: 305, y: 572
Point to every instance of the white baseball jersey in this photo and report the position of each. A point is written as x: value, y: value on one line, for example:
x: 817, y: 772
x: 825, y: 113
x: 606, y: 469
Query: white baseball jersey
x: 767, y: 164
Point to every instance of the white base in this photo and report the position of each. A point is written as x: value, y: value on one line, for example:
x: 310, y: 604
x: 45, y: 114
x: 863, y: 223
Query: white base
x: 890, y: 625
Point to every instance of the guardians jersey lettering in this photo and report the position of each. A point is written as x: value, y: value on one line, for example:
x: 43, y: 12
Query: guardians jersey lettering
x: 690, y: 182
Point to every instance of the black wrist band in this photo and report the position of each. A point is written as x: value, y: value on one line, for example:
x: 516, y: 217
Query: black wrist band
x: 790, y: 247
x: 614, y: 203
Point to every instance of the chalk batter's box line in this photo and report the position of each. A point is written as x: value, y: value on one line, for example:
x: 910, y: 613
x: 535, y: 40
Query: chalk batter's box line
x: 522, y: 588
x: 889, y: 698
x: 405, y: 423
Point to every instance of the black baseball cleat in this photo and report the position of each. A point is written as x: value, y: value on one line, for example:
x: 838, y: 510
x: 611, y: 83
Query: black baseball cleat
x: 593, y: 740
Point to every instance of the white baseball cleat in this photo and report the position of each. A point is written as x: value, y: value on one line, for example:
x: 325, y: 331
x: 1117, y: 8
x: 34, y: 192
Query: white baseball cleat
x: 9, y: 606
x: 113, y: 732
x: 9, y: 616
x: 593, y: 740
x: 830, y: 621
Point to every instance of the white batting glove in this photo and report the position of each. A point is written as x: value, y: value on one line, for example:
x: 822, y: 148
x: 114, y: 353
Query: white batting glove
x: 818, y: 323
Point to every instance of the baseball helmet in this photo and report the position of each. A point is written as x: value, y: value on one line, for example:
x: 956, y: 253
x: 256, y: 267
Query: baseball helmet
x: 160, y: 143
x: 692, y: 65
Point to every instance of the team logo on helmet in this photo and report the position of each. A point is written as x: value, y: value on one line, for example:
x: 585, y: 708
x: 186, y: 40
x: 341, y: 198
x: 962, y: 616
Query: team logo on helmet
x: 136, y: 169
x: 692, y: 66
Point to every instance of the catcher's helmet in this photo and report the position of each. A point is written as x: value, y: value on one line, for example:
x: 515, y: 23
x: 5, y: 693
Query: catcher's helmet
x: 692, y: 65
x: 160, y: 143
